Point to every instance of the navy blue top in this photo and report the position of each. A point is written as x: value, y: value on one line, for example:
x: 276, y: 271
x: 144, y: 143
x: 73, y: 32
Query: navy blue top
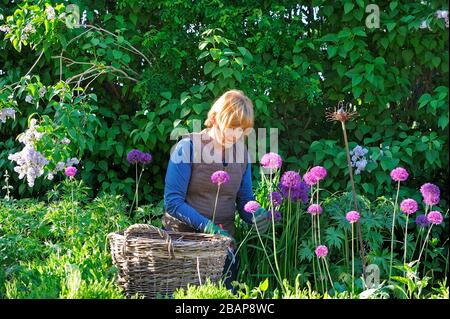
x: 176, y: 185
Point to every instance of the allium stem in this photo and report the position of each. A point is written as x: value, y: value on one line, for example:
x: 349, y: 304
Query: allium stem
x: 314, y: 245
x: 297, y: 230
x: 392, y: 230
x: 273, y: 231
x: 287, y: 229
x: 328, y: 272
x: 350, y: 170
x: 267, y: 255
x: 406, y: 239
x: 215, y: 203
x: 423, y: 246
x: 137, y: 186
x: 353, y: 263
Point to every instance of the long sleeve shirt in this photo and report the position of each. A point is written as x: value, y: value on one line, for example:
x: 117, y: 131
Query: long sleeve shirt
x: 176, y: 185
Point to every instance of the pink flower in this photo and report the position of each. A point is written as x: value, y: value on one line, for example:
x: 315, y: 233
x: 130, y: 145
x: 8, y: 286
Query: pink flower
x: 435, y: 217
x: 399, y: 174
x: 70, y: 171
x: 220, y: 177
x: 409, y: 206
x: 431, y: 193
x: 352, y: 216
x: 252, y: 206
x: 310, y: 178
x: 319, y: 172
x: 321, y: 251
x: 271, y: 161
x: 315, y: 209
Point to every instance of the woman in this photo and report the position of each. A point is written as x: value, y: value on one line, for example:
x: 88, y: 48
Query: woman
x: 190, y: 195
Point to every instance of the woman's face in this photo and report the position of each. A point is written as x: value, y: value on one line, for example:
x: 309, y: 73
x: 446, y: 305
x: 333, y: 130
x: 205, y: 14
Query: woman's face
x: 228, y: 137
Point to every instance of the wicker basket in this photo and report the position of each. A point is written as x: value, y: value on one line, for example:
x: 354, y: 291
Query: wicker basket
x: 151, y: 260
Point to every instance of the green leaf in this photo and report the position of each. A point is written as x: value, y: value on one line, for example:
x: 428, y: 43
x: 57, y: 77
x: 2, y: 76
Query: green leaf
x: 332, y: 51
x: 443, y: 121
x: 198, y: 108
x: 348, y: 7
x: 167, y: 95
x: 264, y: 285
x: 209, y: 66
x: 390, y: 26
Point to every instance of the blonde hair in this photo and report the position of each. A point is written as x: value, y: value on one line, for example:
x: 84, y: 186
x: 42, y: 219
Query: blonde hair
x: 233, y: 109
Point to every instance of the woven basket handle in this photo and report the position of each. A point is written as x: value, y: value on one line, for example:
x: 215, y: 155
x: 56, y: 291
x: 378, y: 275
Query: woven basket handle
x: 139, y: 228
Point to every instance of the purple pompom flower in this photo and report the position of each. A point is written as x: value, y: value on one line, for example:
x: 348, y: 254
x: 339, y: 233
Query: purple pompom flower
x: 399, y: 174
x: 290, y: 180
x: 321, y: 251
x: 70, y: 171
x: 145, y: 158
x: 299, y: 193
x: 352, y: 216
x: 409, y: 206
x: 220, y: 177
x: 271, y: 161
x: 422, y: 221
x: 276, y: 198
x: 319, y: 172
x: 431, y: 193
x: 315, y: 209
x: 276, y: 213
x: 134, y: 156
x: 252, y: 206
x: 435, y: 217
x: 310, y: 178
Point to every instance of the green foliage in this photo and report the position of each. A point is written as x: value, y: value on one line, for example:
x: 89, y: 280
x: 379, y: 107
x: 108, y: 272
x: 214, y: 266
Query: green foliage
x: 58, y: 249
x: 157, y: 66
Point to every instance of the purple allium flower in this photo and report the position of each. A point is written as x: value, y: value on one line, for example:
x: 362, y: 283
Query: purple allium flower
x: 252, y: 206
x: 399, y: 174
x: 409, y: 206
x: 277, y: 199
x: 220, y: 177
x: 435, y: 217
x: 70, y: 171
x: 145, y: 158
x: 271, y: 161
x: 352, y: 216
x: 422, y: 221
x: 315, y: 209
x: 299, y: 193
x: 276, y: 213
x: 321, y: 251
x: 431, y: 193
x: 290, y: 180
x: 310, y: 178
x: 134, y: 156
x: 319, y: 172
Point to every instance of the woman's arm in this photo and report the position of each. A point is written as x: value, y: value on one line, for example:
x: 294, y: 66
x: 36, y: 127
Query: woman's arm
x: 176, y: 185
x: 245, y: 194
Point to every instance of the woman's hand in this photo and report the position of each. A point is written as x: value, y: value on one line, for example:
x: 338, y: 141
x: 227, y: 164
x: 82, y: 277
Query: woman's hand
x: 261, y: 220
x: 214, y: 229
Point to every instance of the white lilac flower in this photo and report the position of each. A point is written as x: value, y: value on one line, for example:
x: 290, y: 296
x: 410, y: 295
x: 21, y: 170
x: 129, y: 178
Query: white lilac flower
x: 29, y: 99
x: 72, y: 161
x: 359, y: 159
x: 7, y: 112
x: 50, y: 13
x: 31, y: 135
x: 30, y: 163
x: 5, y: 28
x: 442, y: 14
x: 65, y: 141
x: 42, y: 91
x: 59, y: 166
